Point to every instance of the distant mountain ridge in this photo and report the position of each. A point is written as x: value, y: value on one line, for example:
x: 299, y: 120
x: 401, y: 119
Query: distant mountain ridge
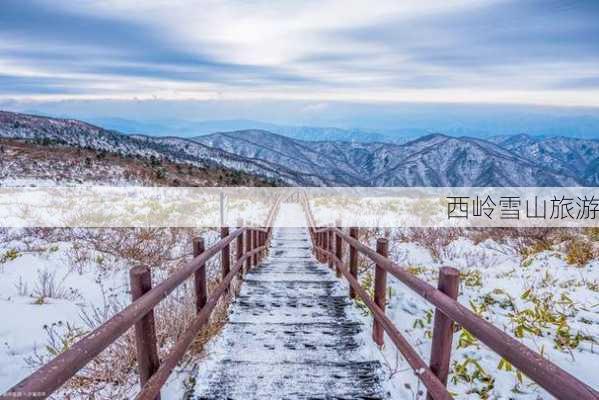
x: 197, y: 128
x: 433, y: 160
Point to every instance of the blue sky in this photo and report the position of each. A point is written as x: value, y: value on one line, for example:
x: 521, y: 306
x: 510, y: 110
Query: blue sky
x: 244, y: 54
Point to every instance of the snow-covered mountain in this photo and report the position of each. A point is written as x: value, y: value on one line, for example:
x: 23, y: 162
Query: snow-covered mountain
x: 576, y: 157
x: 433, y: 160
x: 75, y: 133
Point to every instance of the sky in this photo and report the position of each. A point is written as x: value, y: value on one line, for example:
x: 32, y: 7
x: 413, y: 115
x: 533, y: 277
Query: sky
x: 106, y: 56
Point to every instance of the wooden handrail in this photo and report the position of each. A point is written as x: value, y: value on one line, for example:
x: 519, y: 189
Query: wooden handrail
x: 152, y: 388
x: 432, y: 383
x: 51, y: 376
x: 545, y: 373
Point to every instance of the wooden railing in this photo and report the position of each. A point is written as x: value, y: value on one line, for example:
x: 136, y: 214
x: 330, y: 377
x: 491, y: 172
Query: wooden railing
x: 328, y: 245
x: 154, y: 373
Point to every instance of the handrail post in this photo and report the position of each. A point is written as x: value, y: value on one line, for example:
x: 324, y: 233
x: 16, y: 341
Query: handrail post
x: 199, y: 277
x: 145, y: 329
x: 265, y: 236
x: 380, y: 289
x: 319, y: 246
x: 338, y: 250
x: 248, y: 248
x: 225, y: 255
x: 330, y: 249
x: 316, y: 244
x: 255, y: 246
x: 239, y: 249
x: 258, y: 244
x: 322, y: 246
x: 449, y: 283
x: 325, y: 246
x: 353, y: 260
x: 262, y: 243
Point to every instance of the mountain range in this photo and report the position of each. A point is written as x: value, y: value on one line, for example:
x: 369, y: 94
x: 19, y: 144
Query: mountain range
x: 432, y: 160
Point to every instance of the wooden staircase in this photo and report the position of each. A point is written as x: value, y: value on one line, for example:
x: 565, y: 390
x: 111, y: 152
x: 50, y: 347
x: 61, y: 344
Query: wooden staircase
x: 291, y: 334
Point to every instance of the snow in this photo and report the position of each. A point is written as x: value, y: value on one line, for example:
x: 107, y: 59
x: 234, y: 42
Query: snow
x: 21, y: 337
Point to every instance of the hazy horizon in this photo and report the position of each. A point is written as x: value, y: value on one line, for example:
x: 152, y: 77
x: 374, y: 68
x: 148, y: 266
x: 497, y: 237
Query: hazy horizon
x: 393, y: 121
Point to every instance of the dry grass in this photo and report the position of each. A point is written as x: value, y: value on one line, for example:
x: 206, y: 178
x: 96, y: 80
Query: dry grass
x: 592, y: 233
x: 579, y: 252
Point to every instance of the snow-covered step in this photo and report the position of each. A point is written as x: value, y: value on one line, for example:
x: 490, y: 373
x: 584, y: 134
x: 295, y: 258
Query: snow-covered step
x: 283, y: 288
x: 240, y: 380
x: 293, y: 308
x: 290, y: 335
x: 296, y: 342
x: 294, y: 243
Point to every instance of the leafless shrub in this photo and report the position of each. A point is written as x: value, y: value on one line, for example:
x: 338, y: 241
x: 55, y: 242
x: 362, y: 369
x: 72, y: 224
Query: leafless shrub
x: 433, y: 239
x: 47, y: 286
x: 580, y: 252
x: 22, y: 288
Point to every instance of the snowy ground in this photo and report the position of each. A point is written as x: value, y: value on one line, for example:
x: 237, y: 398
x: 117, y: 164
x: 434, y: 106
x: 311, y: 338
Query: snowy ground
x: 28, y: 314
x: 51, y: 287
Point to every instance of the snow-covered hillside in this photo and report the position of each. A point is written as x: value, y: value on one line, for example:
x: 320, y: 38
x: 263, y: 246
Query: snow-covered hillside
x: 29, y: 164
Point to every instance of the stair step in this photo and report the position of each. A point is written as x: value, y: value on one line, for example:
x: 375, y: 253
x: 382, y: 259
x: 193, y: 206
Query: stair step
x: 241, y: 380
x: 277, y: 288
x: 294, y: 342
x: 290, y: 309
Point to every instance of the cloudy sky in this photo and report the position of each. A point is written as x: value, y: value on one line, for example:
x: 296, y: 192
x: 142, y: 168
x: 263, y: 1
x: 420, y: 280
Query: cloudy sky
x: 540, y: 52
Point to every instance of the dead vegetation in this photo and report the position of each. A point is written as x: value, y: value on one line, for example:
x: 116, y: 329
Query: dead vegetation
x: 433, y: 239
x: 67, y: 165
x: 580, y: 245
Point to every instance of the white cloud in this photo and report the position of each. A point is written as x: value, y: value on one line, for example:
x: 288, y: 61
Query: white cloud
x: 296, y: 50
x: 263, y: 32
